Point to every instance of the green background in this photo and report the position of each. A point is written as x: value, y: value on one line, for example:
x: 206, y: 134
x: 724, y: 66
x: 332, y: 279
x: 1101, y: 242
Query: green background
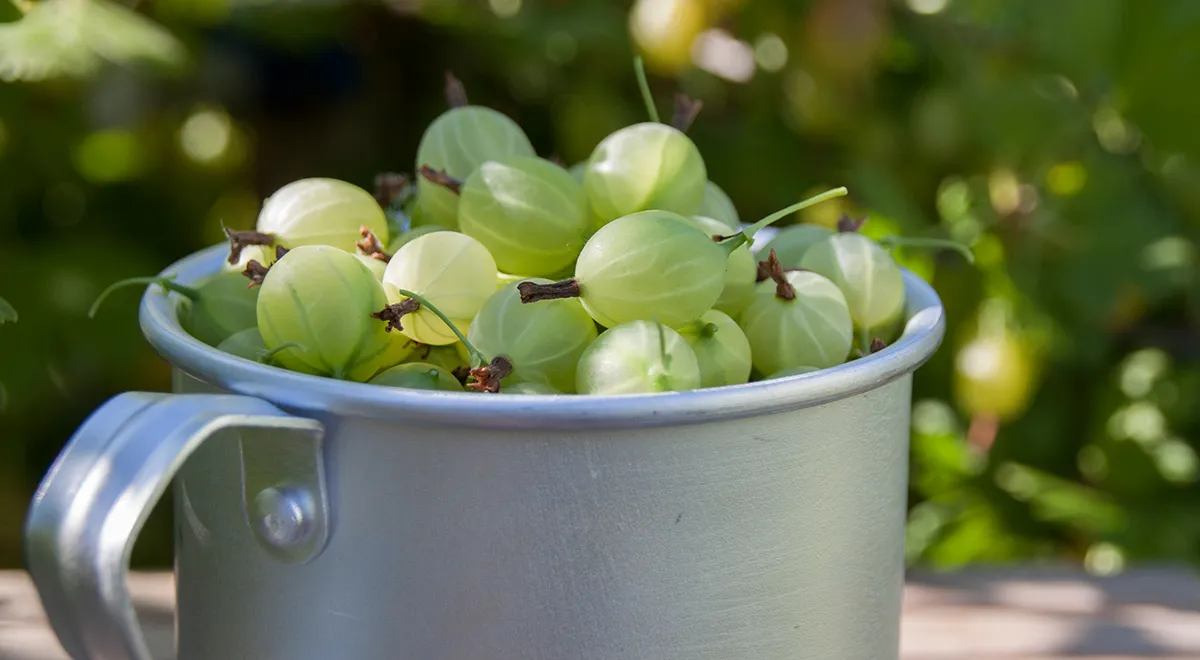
x: 1059, y: 139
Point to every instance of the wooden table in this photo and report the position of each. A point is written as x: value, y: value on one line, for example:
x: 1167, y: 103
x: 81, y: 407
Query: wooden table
x: 979, y: 614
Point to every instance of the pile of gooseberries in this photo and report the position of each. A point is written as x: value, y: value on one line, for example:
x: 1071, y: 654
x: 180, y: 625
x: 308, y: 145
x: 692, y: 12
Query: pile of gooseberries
x: 492, y: 269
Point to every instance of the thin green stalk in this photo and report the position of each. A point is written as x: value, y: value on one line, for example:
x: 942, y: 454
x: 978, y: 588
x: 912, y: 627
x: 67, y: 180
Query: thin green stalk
x: 741, y: 238
x: 265, y: 356
x: 476, y: 355
x: 164, y: 282
x: 640, y: 68
x: 938, y: 243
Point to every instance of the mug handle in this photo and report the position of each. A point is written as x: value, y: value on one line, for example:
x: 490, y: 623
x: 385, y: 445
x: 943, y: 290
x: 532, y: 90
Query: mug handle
x: 93, y: 502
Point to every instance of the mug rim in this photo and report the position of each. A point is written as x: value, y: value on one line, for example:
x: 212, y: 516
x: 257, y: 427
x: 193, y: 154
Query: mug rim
x: 322, y: 396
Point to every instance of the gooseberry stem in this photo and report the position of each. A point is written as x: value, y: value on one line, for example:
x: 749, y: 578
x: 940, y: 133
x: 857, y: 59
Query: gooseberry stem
x: 735, y: 241
x: 639, y: 68
x: 164, y: 282
x: 477, y: 356
x: 935, y: 243
x: 532, y: 292
x: 264, y: 356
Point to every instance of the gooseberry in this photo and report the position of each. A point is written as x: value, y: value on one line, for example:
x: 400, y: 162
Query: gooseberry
x: 797, y: 319
x: 453, y: 271
x: 321, y: 299
x: 721, y: 349
x: 637, y: 357
x: 867, y: 275
x: 529, y: 388
x: 528, y: 212
x: 717, y: 205
x: 741, y: 270
x: 457, y: 142
x: 647, y: 166
x: 542, y: 341
x: 321, y: 211
x: 418, y: 376
x: 792, y: 242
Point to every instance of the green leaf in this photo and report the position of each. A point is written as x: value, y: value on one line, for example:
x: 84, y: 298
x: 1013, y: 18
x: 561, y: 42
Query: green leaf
x: 70, y: 38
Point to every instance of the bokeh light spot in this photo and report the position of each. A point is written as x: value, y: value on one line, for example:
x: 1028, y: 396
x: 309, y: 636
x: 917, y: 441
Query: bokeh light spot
x: 933, y: 417
x: 1066, y: 179
x: 1104, y: 559
x: 928, y: 7
x: 505, y: 8
x: 1093, y: 463
x: 1114, y: 133
x: 1176, y: 461
x: 205, y: 135
x: 110, y: 156
x: 561, y: 47
x: 723, y: 55
x: 1141, y: 370
x: 770, y: 52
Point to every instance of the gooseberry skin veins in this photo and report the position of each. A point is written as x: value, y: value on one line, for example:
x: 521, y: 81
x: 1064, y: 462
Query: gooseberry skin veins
x: 374, y: 265
x: 813, y: 330
x: 459, y: 141
x: 717, y: 205
x: 543, y: 340
x: 741, y: 271
x: 453, y: 271
x: 321, y: 299
x: 722, y: 351
x: 321, y: 211
x: 227, y: 305
x: 418, y: 376
x: 630, y: 359
x: 643, y: 167
x: 653, y: 265
x: 530, y: 214
x: 791, y: 243
x: 868, y: 276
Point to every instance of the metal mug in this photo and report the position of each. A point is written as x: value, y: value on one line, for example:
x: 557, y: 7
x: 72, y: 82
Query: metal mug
x: 318, y: 519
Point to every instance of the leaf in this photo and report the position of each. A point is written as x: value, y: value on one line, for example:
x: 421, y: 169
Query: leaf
x: 7, y: 313
x: 70, y: 38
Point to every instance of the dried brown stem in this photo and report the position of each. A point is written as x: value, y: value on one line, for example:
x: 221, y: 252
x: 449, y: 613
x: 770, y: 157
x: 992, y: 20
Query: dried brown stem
x: 389, y: 186
x: 462, y: 374
x: 487, y: 378
x: 686, y: 109
x: 393, y: 313
x: 238, y: 240
x: 280, y: 251
x: 877, y: 345
x: 256, y: 272
x: 848, y: 225
x: 557, y: 160
x: 456, y: 94
x: 370, y: 246
x: 774, y: 270
x: 441, y: 178
x: 534, y: 292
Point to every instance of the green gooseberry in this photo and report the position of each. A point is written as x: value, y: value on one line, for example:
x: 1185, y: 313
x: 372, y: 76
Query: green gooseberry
x: 528, y: 387
x: 321, y: 211
x: 791, y: 243
x: 868, y: 276
x: 401, y: 240
x: 717, y: 205
x: 247, y: 344
x: 797, y: 319
x: 741, y: 271
x: 418, y: 376
x: 636, y: 358
x: 458, y: 142
x: 543, y: 342
x: 721, y: 349
x: 321, y: 299
x: 528, y: 212
x: 646, y: 166
x: 793, y: 371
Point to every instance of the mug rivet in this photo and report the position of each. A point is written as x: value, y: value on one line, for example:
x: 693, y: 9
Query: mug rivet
x: 284, y: 515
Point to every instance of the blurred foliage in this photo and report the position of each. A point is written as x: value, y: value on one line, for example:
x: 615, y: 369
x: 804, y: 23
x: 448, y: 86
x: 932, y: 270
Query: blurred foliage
x: 1058, y: 139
